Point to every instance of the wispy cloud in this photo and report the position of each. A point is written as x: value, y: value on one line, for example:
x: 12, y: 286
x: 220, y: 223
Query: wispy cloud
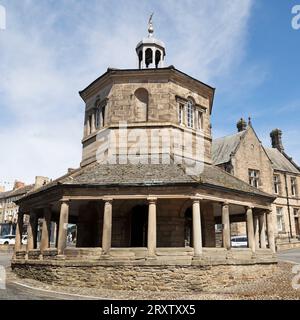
x: 52, y: 49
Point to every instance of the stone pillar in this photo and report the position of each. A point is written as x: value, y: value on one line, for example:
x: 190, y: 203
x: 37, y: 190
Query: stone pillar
x: 226, y: 226
x: 93, y: 126
x: 63, y: 227
x: 32, y: 232
x: 271, y: 237
x: 107, y: 226
x: 152, y: 227
x: 262, y: 231
x: 46, y: 229
x: 197, y: 232
x: 250, y: 229
x: 19, y: 232
x: 256, y: 231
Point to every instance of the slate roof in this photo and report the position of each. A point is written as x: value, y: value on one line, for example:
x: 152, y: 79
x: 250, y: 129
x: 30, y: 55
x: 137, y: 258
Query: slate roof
x: 280, y: 161
x: 150, y: 175
x: 15, y: 193
x: 222, y: 148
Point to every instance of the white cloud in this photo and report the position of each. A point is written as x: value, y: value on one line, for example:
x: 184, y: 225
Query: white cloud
x: 52, y: 50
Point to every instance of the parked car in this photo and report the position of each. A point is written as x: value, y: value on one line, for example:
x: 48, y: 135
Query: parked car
x: 9, y: 239
x: 239, y: 242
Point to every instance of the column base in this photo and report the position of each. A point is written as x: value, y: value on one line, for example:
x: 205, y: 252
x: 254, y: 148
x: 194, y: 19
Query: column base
x: 61, y: 257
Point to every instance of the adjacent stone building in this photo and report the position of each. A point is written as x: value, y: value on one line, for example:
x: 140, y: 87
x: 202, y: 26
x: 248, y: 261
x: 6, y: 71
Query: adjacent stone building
x: 8, y: 208
x: 268, y: 169
x: 146, y: 195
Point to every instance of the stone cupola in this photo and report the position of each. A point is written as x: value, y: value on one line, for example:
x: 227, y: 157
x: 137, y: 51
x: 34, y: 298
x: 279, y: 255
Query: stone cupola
x: 150, y: 51
x: 276, y: 138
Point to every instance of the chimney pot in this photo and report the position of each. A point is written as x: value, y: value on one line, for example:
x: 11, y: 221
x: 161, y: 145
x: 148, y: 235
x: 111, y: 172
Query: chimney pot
x: 276, y: 139
x: 241, y: 125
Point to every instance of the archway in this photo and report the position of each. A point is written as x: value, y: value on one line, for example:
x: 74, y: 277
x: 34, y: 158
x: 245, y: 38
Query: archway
x: 139, y: 226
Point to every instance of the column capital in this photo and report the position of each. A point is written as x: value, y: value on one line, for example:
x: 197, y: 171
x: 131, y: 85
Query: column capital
x: 249, y: 208
x: 152, y: 199
x: 225, y: 203
x: 66, y: 201
x: 195, y: 198
x: 108, y: 199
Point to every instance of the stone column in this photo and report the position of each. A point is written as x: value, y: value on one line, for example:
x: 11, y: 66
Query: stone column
x: 152, y: 227
x: 197, y: 232
x: 63, y: 227
x: 93, y: 126
x: 32, y: 232
x: 250, y: 229
x: 262, y: 231
x: 107, y: 226
x: 256, y: 231
x: 226, y: 226
x: 19, y: 232
x: 271, y: 237
x: 46, y: 229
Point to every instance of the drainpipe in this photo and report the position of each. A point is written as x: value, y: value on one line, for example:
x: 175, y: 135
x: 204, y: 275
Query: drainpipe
x: 288, y: 204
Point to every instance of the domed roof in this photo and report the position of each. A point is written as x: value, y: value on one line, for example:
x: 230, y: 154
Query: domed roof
x: 151, y: 41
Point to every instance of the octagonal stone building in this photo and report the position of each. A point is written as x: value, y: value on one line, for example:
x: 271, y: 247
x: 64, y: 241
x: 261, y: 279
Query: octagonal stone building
x: 146, y: 194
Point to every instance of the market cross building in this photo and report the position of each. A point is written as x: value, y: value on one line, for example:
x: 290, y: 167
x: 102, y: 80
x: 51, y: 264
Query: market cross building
x: 144, y: 214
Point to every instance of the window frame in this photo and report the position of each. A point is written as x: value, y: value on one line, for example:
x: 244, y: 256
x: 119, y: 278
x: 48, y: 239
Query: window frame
x: 254, y: 180
x: 190, y: 114
x: 277, y: 184
x: 294, y: 190
x: 280, y: 219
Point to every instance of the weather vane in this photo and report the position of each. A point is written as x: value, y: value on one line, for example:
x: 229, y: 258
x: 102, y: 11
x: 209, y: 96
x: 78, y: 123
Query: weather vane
x: 150, y: 25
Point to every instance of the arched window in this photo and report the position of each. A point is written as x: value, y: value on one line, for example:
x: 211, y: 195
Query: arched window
x: 149, y: 57
x: 140, y: 59
x: 157, y: 58
x: 190, y: 114
x: 141, y: 104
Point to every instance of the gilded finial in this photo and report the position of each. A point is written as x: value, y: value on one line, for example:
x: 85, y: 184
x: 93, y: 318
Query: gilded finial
x: 150, y: 25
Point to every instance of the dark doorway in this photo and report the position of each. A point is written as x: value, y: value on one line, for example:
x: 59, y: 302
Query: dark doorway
x: 139, y: 226
x: 188, y: 228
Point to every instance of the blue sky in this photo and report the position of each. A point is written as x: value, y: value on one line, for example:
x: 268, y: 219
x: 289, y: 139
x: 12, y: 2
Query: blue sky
x: 51, y: 49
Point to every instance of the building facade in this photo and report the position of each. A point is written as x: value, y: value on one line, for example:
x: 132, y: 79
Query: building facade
x: 268, y: 169
x: 8, y: 207
x: 146, y: 192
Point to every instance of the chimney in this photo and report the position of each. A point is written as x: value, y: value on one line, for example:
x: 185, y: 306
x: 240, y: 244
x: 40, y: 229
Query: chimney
x: 276, y: 138
x: 18, y: 185
x: 40, y: 181
x: 241, y: 125
x: 2, y: 189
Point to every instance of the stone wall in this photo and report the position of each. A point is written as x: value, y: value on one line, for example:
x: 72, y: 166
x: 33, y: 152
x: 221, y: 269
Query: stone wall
x: 158, y: 278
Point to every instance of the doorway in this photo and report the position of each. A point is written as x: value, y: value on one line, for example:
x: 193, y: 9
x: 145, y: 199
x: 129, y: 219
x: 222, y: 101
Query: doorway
x: 139, y: 226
